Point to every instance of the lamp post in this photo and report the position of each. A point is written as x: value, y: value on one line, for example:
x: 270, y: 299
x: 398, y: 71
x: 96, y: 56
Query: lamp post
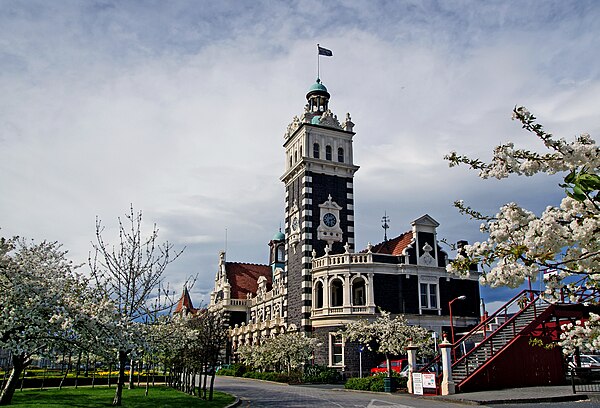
x: 463, y: 297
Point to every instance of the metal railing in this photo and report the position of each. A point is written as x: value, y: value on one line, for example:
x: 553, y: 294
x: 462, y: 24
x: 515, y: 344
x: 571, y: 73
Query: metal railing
x: 527, y: 300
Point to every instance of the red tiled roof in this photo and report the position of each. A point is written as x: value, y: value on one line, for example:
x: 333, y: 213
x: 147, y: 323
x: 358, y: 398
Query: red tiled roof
x: 185, y: 300
x: 243, y: 278
x: 393, y: 246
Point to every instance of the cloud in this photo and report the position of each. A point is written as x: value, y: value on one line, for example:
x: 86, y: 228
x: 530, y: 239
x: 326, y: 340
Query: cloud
x: 180, y: 110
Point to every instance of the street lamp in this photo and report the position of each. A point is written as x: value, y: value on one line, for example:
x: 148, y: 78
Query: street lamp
x: 463, y: 297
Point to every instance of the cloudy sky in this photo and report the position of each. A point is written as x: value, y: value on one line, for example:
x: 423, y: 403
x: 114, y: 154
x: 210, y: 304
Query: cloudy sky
x: 179, y: 108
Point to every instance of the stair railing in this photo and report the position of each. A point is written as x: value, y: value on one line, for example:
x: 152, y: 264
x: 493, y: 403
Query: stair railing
x: 510, y: 323
x: 532, y: 297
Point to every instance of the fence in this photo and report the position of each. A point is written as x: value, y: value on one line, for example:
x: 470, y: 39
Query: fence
x: 585, y: 379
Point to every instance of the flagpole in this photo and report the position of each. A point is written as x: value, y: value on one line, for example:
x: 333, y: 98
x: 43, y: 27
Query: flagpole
x: 318, y: 63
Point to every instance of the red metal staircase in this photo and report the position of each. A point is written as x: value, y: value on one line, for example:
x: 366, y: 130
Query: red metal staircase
x: 497, y: 353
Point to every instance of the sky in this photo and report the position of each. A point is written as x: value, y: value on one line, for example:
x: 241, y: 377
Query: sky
x: 179, y: 109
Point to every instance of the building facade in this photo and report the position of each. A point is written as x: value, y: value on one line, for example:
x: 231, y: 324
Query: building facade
x: 316, y: 281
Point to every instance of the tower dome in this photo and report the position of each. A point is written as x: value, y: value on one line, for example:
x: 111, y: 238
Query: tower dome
x: 279, y: 236
x: 317, y: 97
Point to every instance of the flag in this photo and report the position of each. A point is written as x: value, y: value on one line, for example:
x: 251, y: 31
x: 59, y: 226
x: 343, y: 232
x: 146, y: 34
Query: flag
x: 324, y: 51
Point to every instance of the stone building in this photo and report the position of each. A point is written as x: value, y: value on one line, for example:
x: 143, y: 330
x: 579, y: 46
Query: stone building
x: 316, y: 281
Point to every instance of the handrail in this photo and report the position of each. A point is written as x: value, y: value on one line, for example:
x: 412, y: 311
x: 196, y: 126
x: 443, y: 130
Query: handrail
x: 507, y: 323
x: 485, y: 323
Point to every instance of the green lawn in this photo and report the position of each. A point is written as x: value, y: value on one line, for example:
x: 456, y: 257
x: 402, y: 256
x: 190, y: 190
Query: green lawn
x: 158, y: 397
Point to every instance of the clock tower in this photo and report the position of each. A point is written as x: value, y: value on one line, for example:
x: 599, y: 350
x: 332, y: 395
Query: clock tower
x: 319, y: 206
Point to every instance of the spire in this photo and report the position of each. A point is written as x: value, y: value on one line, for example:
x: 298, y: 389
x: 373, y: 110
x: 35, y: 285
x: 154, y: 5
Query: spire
x: 185, y: 304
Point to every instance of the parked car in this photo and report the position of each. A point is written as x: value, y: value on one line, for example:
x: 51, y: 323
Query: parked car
x: 404, y: 372
x: 586, y: 360
x: 397, y: 366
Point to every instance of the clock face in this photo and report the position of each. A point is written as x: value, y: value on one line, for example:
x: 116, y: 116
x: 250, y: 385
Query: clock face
x: 295, y: 224
x: 329, y: 219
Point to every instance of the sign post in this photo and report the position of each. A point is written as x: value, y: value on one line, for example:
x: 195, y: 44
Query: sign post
x: 360, y: 350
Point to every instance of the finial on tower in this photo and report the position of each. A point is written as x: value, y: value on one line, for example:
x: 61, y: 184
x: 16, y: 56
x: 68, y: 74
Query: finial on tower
x: 385, y: 225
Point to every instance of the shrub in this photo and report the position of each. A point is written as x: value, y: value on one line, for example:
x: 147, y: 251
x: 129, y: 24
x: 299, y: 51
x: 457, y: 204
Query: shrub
x: 362, y: 384
x: 268, y: 376
x: 320, y: 375
x: 374, y: 383
x: 226, y: 371
x: 239, y: 369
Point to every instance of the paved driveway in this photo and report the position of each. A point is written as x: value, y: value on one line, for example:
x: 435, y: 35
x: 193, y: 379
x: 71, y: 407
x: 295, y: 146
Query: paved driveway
x: 255, y: 393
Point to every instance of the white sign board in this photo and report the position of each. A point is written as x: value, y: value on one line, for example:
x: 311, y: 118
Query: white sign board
x: 417, y: 383
x: 429, y: 380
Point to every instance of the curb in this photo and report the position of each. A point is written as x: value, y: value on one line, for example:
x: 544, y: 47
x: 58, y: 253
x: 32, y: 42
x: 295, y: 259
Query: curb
x: 235, y: 403
x: 466, y: 401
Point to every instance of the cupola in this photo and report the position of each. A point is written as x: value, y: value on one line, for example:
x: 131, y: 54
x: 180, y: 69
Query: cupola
x: 318, y: 98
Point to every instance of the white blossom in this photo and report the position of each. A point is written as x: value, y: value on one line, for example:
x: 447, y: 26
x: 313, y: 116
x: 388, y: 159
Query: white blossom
x: 562, y: 240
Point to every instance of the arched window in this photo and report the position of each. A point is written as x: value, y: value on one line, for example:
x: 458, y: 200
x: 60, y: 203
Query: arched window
x: 316, y: 150
x: 281, y: 253
x: 328, y: 152
x: 340, y: 155
x: 300, y: 151
x: 358, y: 292
x: 318, y: 295
x: 295, y: 157
x: 290, y: 160
x: 336, y: 289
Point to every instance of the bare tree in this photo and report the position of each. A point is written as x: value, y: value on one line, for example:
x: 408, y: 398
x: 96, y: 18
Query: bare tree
x: 131, y: 274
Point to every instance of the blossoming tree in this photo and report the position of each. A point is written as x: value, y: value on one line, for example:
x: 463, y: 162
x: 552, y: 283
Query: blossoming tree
x: 285, y: 351
x: 562, y: 241
x: 44, y: 305
x: 387, y: 335
x: 131, y: 274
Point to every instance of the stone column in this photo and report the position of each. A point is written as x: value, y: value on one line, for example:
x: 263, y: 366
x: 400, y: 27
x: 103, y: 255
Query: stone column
x: 447, y: 382
x: 412, y: 364
x: 347, y: 294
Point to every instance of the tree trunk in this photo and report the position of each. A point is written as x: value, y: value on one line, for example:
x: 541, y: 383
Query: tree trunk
x: 212, y: 383
x: 131, y: 383
x: 140, y: 368
x: 66, y: 373
x: 77, y: 370
x: 147, y: 378
x: 121, y: 380
x: 87, y: 365
x: 11, y: 384
x: 94, y: 374
x: 109, y: 373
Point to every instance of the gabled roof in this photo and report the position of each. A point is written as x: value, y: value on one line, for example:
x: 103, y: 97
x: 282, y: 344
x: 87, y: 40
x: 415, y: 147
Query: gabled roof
x: 393, y: 246
x: 243, y: 278
x: 427, y: 220
x: 185, y: 301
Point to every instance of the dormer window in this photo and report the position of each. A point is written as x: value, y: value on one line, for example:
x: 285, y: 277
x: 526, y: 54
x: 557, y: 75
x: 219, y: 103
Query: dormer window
x: 340, y: 155
x: 328, y: 152
x: 316, y: 150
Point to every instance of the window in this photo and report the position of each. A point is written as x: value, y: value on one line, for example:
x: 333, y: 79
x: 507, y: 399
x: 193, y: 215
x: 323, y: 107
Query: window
x: 428, y: 295
x: 358, y: 292
x: 336, y: 350
x: 340, y: 155
x: 337, y: 293
x: 316, y: 150
x: 295, y: 157
x: 318, y: 295
x: 328, y: 152
x: 281, y: 253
